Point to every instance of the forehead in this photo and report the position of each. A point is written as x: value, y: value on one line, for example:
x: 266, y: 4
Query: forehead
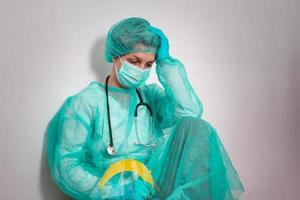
x: 141, y: 56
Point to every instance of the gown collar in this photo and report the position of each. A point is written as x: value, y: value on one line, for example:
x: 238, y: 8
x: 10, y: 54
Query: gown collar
x: 114, y: 88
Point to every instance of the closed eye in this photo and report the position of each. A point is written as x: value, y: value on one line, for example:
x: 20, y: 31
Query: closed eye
x: 133, y: 61
x: 149, y: 64
x: 137, y: 62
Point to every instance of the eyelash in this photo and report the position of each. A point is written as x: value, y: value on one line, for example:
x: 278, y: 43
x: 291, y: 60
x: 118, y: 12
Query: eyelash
x: 134, y: 62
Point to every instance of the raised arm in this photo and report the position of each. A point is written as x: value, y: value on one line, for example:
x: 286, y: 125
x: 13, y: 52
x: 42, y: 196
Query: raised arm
x: 177, y: 98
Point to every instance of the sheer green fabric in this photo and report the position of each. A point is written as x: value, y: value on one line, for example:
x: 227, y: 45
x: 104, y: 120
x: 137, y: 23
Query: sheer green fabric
x: 130, y: 35
x: 188, y: 161
x: 194, y: 165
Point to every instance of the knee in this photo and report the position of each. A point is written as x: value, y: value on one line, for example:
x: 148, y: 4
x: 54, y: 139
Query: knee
x: 195, y: 126
x: 193, y: 122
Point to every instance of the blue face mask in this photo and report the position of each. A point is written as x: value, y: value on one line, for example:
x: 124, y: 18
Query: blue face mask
x: 130, y: 75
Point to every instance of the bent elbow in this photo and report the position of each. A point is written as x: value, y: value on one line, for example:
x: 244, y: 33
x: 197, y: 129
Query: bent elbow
x: 192, y: 110
x: 198, y: 109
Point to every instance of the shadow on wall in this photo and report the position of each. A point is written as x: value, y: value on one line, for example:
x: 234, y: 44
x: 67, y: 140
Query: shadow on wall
x: 49, y: 190
x: 97, y: 61
x: 293, y: 105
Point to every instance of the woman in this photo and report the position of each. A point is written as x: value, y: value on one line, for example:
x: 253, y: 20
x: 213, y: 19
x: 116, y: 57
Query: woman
x: 123, y: 139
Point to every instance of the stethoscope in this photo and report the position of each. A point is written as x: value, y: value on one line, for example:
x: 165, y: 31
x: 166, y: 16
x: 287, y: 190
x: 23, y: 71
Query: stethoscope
x: 111, y: 150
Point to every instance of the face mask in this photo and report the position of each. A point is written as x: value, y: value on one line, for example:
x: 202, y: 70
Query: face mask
x: 130, y: 75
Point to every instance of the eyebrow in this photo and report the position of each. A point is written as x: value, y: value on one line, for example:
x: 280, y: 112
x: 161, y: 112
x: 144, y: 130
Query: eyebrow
x: 140, y: 59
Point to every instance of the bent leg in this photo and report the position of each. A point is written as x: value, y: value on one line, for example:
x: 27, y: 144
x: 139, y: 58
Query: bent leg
x: 197, y: 165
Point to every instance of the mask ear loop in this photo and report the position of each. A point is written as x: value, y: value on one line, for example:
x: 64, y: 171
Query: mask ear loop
x: 116, y: 68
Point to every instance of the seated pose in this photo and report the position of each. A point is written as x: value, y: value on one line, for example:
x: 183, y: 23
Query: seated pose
x: 124, y: 139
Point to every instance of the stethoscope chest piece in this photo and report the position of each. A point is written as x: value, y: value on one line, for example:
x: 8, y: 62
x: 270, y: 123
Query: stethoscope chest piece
x: 111, y: 150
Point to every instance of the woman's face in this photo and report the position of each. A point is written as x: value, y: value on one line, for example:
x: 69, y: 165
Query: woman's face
x: 140, y: 59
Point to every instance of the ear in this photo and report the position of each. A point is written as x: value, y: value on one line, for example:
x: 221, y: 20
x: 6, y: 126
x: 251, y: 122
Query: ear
x: 116, y: 58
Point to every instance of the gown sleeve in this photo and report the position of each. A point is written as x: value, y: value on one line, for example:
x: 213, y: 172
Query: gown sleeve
x: 177, y: 98
x: 68, y: 159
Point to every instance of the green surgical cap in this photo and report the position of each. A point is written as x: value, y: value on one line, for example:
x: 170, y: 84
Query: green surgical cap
x: 130, y: 35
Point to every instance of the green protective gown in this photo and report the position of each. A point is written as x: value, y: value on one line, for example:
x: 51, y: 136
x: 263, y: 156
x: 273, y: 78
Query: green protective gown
x: 188, y: 161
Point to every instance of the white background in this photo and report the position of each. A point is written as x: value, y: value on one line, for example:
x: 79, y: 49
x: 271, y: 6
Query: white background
x: 242, y: 58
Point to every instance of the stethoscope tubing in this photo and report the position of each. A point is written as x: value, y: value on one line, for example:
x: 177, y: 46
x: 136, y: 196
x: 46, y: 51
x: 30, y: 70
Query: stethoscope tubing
x: 111, y: 148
